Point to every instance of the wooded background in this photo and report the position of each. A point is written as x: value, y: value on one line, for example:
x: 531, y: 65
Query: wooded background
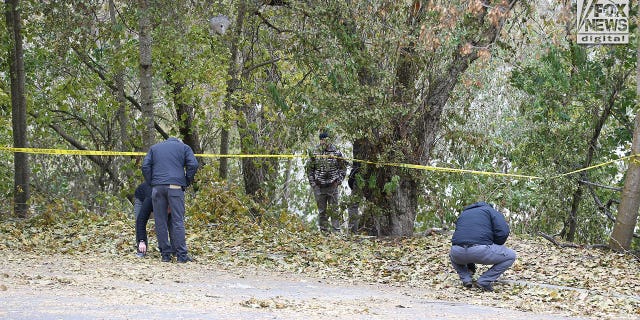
x: 491, y: 86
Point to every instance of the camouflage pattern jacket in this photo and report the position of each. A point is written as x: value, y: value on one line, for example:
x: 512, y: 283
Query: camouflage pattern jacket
x: 324, y: 168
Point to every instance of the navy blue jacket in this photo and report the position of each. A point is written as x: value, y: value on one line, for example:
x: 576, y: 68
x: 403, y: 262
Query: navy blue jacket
x: 143, y: 191
x: 481, y: 224
x: 170, y: 162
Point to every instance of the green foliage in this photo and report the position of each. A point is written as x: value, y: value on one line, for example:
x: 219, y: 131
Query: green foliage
x: 218, y: 202
x: 392, y: 185
x: 6, y: 158
x: 569, y: 89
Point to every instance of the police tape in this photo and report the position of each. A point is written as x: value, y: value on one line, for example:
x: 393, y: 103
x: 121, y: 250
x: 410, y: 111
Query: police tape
x: 444, y: 169
x: 633, y: 157
x: 72, y: 152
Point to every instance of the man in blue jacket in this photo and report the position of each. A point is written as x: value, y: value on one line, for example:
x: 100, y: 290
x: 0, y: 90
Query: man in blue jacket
x: 480, y: 234
x: 170, y: 166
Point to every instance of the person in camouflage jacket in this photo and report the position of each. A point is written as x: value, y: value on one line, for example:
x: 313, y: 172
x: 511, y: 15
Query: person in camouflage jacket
x: 325, y: 170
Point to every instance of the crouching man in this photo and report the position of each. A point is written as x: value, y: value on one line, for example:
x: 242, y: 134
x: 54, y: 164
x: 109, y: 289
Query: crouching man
x: 479, y: 238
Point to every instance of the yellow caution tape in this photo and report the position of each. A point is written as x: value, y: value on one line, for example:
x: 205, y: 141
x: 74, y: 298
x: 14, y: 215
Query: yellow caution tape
x: 443, y: 169
x: 208, y: 155
x: 72, y: 152
x: 401, y: 165
x: 634, y: 156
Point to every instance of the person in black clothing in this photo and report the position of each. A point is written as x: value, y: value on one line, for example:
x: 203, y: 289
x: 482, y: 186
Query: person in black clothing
x: 143, y: 194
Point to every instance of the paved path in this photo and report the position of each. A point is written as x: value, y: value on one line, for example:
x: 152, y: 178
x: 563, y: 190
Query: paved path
x: 63, y: 287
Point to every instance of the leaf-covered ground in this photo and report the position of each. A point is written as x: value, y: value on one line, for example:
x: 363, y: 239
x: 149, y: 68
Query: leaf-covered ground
x: 545, y: 278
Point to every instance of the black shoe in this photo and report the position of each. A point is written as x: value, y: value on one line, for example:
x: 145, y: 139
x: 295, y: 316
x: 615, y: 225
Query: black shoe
x: 485, y: 287
x: 166, y: 258
x: 185, y: 260
x: 467, y: 285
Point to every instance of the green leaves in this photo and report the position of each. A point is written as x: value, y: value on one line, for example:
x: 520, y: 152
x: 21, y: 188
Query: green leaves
x: 572, y: 91
x: 391, y: 185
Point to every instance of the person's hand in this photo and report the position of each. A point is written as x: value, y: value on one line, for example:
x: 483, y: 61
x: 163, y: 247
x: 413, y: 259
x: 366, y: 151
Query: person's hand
x: 142, y: 247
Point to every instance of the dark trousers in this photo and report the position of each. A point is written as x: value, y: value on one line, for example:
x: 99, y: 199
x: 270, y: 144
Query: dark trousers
x: 143, y: 218
x: 327, y: 201
x: 163, y: 198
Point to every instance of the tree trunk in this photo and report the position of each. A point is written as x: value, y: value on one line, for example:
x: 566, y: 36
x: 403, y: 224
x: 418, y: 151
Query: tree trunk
x: 123, y: 114
x: 255, y: 171
x: 416, y: 131
x: 187, y: 128
x: 124, y: 142
x: 627, y: 219
x: 186, y: 116
x: 235, y: 70
x: 146, y: 78
x: 252, y: 169
x: 401, y: 208
x: 571, y: 225
x: 21, y: 188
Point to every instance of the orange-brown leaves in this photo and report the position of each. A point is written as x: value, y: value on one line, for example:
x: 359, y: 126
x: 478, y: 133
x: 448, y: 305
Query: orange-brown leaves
x: 475, y: 6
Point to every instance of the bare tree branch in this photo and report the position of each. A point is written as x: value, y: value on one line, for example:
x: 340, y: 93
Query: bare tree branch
x: 599, y: 185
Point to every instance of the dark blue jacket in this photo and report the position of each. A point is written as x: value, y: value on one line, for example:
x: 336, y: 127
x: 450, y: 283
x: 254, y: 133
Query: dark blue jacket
x: 170, y: 162
x: 143, y: 191
x: 480, y: 223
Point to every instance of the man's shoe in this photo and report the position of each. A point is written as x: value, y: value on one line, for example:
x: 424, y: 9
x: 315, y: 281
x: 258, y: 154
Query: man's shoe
x: 467, y: 285
x: 166, y: 258
x: 140, y: 255
x: 485, y: 287
x: 185, y: 260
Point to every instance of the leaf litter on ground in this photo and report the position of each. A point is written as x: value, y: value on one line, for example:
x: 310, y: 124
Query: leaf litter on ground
x: 544, y: 279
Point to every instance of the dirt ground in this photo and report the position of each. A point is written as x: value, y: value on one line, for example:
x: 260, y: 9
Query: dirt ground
x: 109, y: 287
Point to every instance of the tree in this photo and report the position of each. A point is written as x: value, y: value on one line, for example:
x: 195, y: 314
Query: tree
x: 259, y: 73
x: 381, y: 73
x: 88, y: 95
x: 627, y: 218
x: 440, y: 43
x: 123, y: 114
x: 608, y: 102
x: 233, y: 84
x: 566, y: 107
x: 21, y: 188
x: 146, y: 75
